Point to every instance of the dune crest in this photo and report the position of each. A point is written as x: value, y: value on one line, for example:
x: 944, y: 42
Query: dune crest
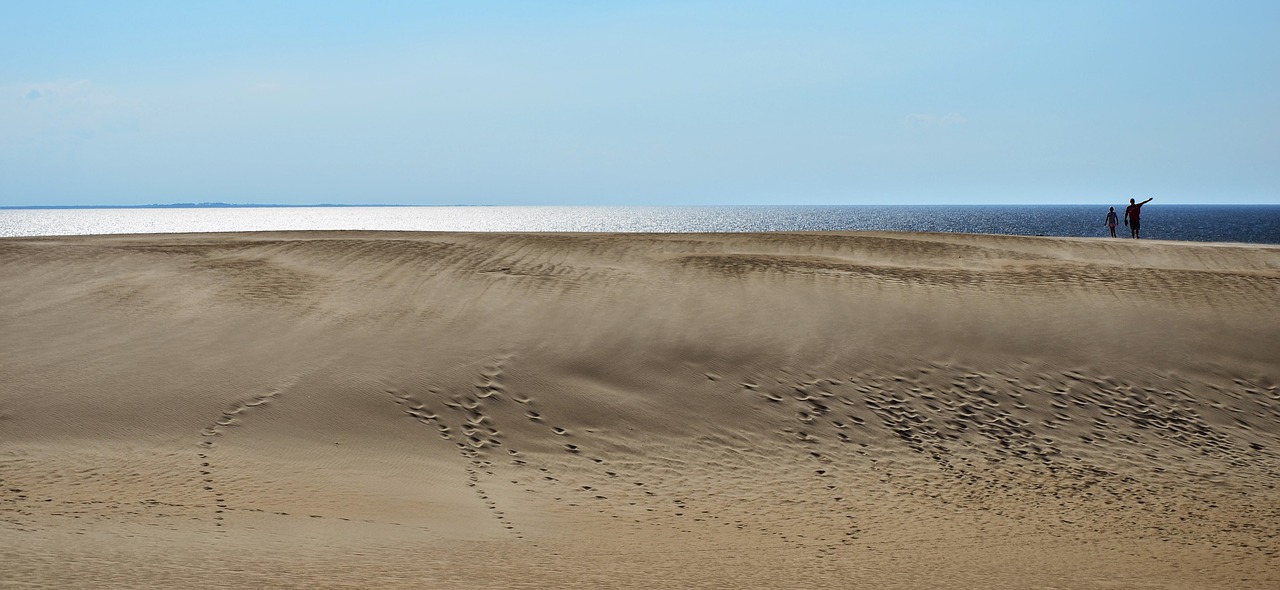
x: 346, y: 409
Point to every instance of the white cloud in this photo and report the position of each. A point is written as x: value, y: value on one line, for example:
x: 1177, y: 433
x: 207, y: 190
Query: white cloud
x: 58, y: 92
x: 61, y: 112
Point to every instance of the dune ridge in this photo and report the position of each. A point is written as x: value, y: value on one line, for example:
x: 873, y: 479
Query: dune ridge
x: 355, y: 409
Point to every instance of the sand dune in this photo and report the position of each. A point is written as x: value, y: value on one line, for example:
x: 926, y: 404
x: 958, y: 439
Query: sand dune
x: 358, y: 410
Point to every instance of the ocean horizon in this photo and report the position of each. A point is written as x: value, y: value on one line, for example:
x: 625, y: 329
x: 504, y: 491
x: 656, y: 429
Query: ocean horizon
x: 1258, y: 224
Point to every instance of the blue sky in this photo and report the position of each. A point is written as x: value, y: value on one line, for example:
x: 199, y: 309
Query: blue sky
x: 691, y: 102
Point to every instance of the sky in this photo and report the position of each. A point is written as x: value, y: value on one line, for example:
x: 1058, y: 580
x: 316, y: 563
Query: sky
x: 648, y: 102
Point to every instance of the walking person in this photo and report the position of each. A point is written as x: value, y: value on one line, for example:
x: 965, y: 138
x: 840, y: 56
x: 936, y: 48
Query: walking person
x: 1112, y: 221
x: 1131, y: 214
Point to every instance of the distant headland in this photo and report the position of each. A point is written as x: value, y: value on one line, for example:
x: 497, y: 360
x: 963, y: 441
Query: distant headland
x: 196, y: 206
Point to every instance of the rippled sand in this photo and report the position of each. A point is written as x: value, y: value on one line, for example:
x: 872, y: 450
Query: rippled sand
x: 586, y: 410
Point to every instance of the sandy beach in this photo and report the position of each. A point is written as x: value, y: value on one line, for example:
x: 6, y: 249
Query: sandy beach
x: 800, y: 410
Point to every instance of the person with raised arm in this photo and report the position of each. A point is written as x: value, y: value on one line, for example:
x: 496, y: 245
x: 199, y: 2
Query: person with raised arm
x: 1131, y: 214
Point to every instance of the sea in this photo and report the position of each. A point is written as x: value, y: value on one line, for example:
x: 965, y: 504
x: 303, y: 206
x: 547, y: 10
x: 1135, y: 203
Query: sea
x: 1255, y: 224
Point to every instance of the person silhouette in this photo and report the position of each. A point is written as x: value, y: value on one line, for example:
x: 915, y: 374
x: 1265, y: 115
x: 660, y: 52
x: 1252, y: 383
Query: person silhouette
x: 1131, y: 214
x: 1112, y: 220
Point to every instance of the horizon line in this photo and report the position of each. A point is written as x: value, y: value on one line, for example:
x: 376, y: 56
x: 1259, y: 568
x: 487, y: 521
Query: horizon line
x: 221, y: 205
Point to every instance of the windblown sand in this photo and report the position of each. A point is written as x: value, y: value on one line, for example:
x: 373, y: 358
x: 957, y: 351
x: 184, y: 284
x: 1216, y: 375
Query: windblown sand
x: 380, y: 410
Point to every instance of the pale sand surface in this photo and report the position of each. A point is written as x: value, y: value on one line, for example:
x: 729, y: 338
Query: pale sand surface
x: 638, y: 411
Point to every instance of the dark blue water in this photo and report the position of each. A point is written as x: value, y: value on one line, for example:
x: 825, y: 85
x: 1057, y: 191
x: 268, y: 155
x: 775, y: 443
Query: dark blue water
x: 1259, y: 224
